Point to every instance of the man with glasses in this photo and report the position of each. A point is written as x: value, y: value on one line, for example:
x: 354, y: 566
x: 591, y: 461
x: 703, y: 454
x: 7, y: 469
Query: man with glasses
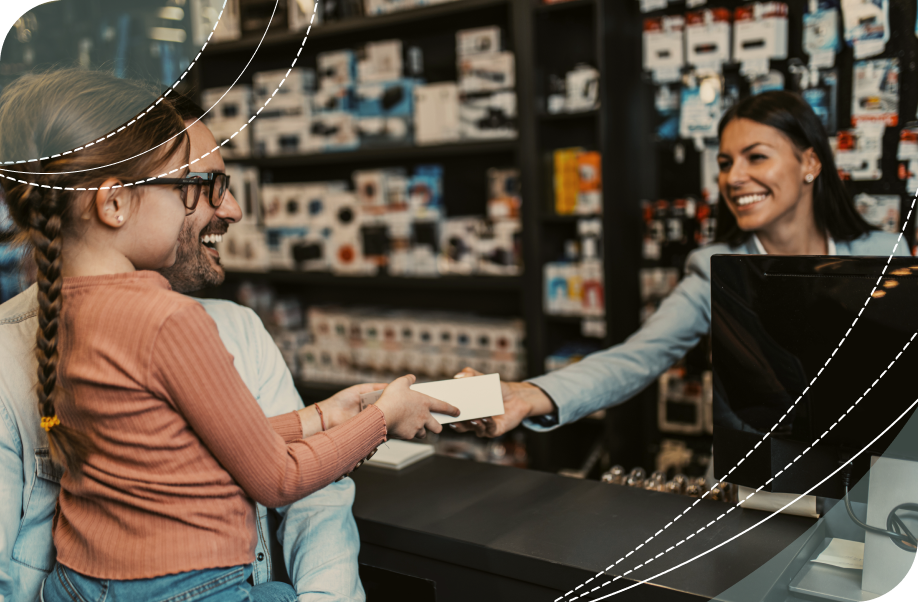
x: 318, y: 534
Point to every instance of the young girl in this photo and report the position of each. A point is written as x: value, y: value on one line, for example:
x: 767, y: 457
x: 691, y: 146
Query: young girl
x: 162, y: 458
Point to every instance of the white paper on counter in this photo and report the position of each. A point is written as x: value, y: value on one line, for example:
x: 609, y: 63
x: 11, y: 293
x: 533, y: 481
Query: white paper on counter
x: 396, y: 455
x: 843, y: 553
x: 772, y: 502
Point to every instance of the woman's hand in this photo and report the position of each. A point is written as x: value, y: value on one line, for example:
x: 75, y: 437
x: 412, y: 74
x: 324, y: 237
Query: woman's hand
x: 407, y: 412
x: 521, y: 400
x: 337, y: 409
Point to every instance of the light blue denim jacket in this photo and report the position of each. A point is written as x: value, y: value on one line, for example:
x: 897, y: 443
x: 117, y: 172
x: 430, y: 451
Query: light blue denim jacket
x: 318, y: 533
x: 614, y: 375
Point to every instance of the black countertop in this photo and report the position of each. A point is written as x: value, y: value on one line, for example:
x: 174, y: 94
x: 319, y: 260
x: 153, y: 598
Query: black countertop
x: 557, y: 532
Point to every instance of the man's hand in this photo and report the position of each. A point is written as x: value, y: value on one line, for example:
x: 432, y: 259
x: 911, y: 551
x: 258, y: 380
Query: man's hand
x: 521, y: 400
x: 345, y: 404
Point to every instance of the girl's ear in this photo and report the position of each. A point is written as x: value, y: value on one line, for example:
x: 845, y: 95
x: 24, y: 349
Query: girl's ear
x: 811, y: 163
x: 112, y: 203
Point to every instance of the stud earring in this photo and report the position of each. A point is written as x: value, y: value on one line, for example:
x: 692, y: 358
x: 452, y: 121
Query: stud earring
x: 809, y: 178
x: 120, y: 218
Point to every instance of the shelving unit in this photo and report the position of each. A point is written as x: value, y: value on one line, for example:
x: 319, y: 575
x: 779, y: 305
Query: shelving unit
x: 543, y: 38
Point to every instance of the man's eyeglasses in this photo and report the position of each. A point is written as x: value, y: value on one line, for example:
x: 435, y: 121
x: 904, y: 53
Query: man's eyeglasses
x: 217, y: 184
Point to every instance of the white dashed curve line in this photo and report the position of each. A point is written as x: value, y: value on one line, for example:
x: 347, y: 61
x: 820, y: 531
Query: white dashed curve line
x: 768, y: 482
x: 696, y: 502
x: 151, y: 107
x: 769, y: 517
x: 252, y: 118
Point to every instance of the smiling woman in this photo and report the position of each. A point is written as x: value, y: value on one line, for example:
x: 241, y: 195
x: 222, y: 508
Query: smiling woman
x: 780, y: 194
x: 778, y: 180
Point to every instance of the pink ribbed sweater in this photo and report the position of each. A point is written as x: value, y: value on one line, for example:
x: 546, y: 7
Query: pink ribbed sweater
x: 182, y: 446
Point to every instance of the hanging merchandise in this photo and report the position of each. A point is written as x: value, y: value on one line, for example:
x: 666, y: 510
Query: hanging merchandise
x: 908, y: 159
x: 759, y: 35
x: 875, y: 92
x: 880, y: 210
x: 859, y: 153
x: 820, y: 32
x: 707, y: 39
x: 666, y: 103
x: 663, y: 43
x: 701, y: 108
x: 823, y: 98
x: 648, y: 6
x: 773, y: 80
x: 866, y: 26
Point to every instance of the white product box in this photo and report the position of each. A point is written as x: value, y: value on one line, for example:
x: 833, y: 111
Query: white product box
x: 233, y: 139
x: 488, y: 117
x: 303, y: 13
x: 481, y: 40
x: 243, y: 248
x: 227, y: 106
x: 880, y: 210
x: 760, y: 34
x: 285, y: 136
x: 244, y: 187
x: 206, y: 13
x: 707, y: 38
x: 383, y: 131
x: 287, y: 205
x: 280, y: 243
x: 663, y: 47
x: 293, y: 98
x: 459, y: 245
x: 487, y: 72
x: 498, y: 249
x: 336, y: 68
x: 333, y: 132
x: 380, y: 61
x: 582, y: 89
x: 436, y: 116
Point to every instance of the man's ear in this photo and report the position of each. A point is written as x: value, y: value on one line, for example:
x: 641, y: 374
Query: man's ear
x: 112, y: 203
x: 811, y: 162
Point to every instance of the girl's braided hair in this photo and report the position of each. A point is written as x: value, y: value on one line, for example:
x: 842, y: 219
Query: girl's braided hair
x: 45, y: 116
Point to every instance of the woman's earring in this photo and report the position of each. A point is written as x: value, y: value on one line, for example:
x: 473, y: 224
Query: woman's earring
x: 809, y: 178
x: 120, y: 218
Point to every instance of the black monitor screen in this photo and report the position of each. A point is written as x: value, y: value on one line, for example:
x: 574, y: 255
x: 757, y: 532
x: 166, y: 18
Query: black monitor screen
x: 794, y: 347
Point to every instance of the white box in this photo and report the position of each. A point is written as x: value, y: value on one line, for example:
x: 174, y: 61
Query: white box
x: 336, y: 68
x: 303, y: 13
x: 436, y: 116
x: 206, y: 13
x: 582, y: 88
x: 663, y: 46
x: 707, y: 38
x: 285, y: 136
x: 459, y: 245
x: 333, y: 132
x: 233, y: 139
x: 760, y: 32
x: 488, y: 117
x: 487, y: 72
x: 380, y: 61
x: 243, y: 248
x: 227, y: 106
x: 481, y: 40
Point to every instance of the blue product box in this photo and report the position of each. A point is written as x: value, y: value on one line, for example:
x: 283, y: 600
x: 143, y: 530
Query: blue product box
x: 385, y: 99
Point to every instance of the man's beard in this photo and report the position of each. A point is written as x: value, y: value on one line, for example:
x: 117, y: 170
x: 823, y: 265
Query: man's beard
x: 192, y: 270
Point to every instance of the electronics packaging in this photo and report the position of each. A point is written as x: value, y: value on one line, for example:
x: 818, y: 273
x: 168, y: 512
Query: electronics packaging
x: 663, y: 44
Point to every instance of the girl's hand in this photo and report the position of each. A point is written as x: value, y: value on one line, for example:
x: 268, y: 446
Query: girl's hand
x: 407, y: 412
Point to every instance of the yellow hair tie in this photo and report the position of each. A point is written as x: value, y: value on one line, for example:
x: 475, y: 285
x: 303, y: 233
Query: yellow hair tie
x: 49, y: 423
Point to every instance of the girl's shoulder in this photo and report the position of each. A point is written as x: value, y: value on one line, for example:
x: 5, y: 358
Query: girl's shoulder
x: 878, y: 242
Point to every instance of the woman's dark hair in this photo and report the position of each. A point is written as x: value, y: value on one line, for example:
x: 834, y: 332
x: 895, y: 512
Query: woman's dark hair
x: 788, y: 113
x: 64, y: 130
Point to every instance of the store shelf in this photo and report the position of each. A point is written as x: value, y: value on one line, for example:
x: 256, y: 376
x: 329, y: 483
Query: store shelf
x: 563, y: 319
x: 569, y: 4
x: 358, y: 25
x: 568, y: 116
x: 551, y: 218
x: 371, y: 155
x: 477, y: 283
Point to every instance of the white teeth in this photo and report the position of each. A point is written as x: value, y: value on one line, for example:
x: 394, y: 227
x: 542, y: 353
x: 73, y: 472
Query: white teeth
x: 212, y: 238
x: 218, y: 238
x: 746, y: 199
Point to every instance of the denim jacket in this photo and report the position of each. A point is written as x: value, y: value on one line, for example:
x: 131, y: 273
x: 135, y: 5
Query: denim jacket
x: 318, y: 533
x: 611, y: 376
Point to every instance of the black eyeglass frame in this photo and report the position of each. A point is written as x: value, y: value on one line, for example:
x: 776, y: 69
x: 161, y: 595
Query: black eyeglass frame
x: 209, y: 179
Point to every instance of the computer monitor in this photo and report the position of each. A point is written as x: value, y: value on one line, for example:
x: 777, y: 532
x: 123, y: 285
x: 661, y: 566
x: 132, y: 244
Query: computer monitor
x: 775, y: 323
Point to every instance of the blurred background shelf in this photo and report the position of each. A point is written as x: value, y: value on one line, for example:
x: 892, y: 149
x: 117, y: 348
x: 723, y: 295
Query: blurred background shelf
x: 448, y: 283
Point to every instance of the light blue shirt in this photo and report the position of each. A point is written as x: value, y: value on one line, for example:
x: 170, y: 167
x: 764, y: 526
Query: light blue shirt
x: 318, y: 533
x: 609, y: 377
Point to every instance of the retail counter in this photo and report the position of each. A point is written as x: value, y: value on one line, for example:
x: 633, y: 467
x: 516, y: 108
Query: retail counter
x: 477, y: 532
